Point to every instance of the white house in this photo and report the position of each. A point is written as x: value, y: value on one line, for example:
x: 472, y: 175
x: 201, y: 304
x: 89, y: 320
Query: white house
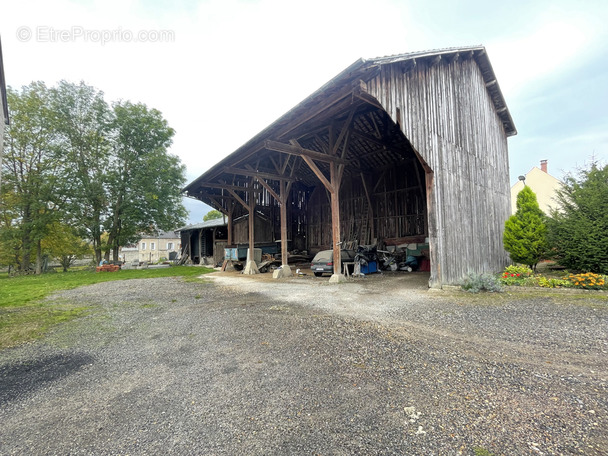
x: 152, y: 248
x: 543, y: 184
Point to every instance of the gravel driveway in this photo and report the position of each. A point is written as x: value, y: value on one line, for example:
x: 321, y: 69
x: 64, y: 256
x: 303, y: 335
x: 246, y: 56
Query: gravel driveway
x: 235, y: 365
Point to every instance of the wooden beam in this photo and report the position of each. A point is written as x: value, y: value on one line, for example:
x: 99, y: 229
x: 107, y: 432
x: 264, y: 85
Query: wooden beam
x: 345, y: 147
x: 435, y: 60
x: 253, y: 173
x: 251, y: 227
x: 239, y: 199
x: 295, y: 167
x: 251, y: 266
x: 321, y: 142
x: 292, y: 149
x: 408, y: 65
x: 335, y: 218
x: 454, y: 58
x: 218, y: 205
x: 379, y: 181
x: 284, y: 168
x: 230, y: 217
x: 283, y: 212
x: 369, y: 205
x: 270, y: 189
x: 368, y: 138
x: 345, y: 129
x: 277, y: 168
x: 318, y: 173
x: 222, y: 186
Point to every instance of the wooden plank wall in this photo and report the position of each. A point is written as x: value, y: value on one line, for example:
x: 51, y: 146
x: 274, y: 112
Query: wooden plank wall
x: 262, y: 230
x: 398, y: 207
x: 447, y: 115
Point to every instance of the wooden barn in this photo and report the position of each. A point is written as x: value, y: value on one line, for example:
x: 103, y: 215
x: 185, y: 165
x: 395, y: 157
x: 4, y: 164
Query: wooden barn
x: 406, y: 148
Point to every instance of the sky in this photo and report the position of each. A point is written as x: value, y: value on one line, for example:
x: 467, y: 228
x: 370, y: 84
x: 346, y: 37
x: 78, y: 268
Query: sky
x: 222, y: 70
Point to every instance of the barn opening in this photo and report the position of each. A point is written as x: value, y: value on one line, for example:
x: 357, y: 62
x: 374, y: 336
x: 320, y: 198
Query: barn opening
x: 382, y: 195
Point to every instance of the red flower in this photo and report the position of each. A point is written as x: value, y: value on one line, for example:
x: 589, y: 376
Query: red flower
x: 517, y: 275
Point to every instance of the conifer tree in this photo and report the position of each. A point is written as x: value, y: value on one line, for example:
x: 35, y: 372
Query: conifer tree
x: 525, y: 235
x: 579, y: 230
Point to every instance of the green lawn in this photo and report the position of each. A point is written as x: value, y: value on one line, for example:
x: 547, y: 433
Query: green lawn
x: 24, y: 316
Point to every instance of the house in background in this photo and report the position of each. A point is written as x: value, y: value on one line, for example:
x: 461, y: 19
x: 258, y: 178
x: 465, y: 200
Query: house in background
x: 543, y: 184
x: 3, y: 107
x: 152, y: 248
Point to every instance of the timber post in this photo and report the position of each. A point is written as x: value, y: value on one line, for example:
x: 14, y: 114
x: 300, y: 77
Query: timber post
x: 251, y: 267
x: 335, y: 224
x: 285, y: 269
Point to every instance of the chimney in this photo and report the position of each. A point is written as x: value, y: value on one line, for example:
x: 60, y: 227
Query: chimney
x: 543, y: 165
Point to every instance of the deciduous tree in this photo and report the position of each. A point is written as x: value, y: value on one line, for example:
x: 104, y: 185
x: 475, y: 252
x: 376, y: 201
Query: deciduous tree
x: 30, y: 167
x: 72, y: 160
x: 84, y: 123
x: 64, y: 245
x: 144, y: 179
x: 212, y: 215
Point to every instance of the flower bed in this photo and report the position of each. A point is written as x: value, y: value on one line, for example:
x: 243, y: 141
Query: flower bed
x: 524, y: 276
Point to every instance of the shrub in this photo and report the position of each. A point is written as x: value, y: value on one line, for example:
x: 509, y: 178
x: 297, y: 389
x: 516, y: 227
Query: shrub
x: 587, y: 281
x: 516, y: 275
x: 475, y: 283
x: 545, y: 282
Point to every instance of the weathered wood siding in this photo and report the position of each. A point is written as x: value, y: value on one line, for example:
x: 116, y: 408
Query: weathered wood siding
x: 262, y: 230
x: 446, y: 113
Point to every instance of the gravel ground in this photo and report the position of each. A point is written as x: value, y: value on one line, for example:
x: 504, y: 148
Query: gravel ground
x: 240, y: 365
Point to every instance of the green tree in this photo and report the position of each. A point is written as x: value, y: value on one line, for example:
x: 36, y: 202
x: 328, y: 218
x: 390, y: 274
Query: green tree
x: 10, y: 253
x: 29, y: 173
x: 525, y: 235
x: 63, y: 244
x: 579, y: 230
x: 84, y: 125
x: 144, y: 179
x: 71, y: 160
x: 212, y: 215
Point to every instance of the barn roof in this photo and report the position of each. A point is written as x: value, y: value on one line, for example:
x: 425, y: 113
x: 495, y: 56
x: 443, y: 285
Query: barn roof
x: 335, y: 102
x: 213, y: 223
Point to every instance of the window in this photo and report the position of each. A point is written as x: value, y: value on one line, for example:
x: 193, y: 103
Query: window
x: 152, y: 246
x: 143, y: 246
x: 169, y: 245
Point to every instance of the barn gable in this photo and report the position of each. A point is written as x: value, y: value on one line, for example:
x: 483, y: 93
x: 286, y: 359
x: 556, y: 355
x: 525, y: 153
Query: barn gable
x: 398, y: 148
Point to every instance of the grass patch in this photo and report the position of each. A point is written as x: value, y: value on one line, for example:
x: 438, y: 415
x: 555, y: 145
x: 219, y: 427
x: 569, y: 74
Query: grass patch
x: 25, y: 316
x: 480, y: 451
x: 18, y: 325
